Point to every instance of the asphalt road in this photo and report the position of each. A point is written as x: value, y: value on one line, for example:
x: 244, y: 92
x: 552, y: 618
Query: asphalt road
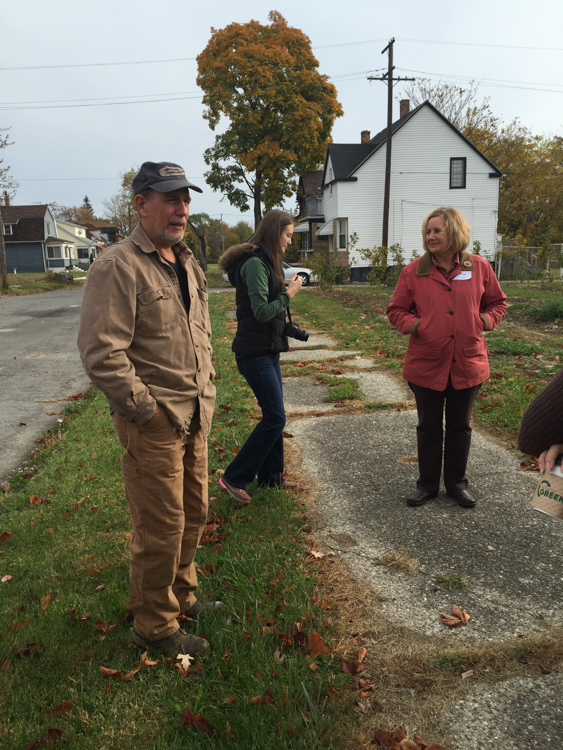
x: 39, y: 369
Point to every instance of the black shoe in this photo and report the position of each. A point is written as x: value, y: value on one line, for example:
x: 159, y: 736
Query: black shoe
x: 463, y: 498
x: 419, y: 497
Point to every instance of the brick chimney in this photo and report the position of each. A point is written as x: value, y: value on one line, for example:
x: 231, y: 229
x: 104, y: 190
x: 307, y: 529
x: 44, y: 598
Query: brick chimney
x: 365, y: 136
x: 404, y: 107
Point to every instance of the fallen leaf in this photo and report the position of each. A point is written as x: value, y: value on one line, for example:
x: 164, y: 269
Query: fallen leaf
x: 545, y: 670
x: 61, y: 709
x: 186, y: 660
x: 352, y: 667
x: 5, y: 535
x: 101, y: 587
x: 129, y: 675
x: 144, y: 662
x: 19, y: 625
x: 106, y: 672
x: 47, y: 601
x: 262, y: 699
x: 197, y: 721
x: 316, y: 644
x: 450, y: 621
x: 461, y: 613
x: 230, y: 698
x: 362, y: 654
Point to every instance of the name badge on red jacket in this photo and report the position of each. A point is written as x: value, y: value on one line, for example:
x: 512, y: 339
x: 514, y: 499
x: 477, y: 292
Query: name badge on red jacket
x: 462, y: 276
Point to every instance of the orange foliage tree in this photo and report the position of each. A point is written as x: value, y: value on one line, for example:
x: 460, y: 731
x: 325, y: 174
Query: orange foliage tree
x: 264, y: 80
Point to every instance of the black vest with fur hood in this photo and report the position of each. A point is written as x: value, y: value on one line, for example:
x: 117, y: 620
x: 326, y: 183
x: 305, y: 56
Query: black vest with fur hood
x: 254, y: 339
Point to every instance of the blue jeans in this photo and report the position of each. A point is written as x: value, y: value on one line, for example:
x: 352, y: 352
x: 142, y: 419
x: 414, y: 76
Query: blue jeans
x: 262, y: 454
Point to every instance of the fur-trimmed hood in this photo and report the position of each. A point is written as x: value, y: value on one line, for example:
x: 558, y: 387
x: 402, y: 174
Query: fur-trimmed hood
x: 234, y: 254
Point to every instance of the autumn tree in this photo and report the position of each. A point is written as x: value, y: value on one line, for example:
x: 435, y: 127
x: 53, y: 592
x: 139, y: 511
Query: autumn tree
x: 264, y: 80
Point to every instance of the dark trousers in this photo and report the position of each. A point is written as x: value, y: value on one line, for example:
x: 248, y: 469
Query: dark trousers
x: 430, y: 436
x: 262, y: 454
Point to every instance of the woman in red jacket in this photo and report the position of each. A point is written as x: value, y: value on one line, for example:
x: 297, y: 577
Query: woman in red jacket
x: 444, y: 301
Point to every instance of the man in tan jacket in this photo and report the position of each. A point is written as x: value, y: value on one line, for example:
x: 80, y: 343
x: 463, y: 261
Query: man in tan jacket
x: 145, y: 341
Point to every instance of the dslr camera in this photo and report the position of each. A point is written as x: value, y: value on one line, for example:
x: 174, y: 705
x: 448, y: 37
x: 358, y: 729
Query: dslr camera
x: 294, y: 332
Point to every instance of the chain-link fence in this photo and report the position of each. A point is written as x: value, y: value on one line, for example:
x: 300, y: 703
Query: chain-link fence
x: 524, y: 262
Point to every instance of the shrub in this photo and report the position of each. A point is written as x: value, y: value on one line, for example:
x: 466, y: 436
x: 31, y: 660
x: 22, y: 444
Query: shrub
x: 551, y: 311
x: 326, y: 270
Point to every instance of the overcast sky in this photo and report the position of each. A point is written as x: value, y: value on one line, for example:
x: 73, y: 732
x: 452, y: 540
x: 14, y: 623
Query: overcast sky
x: 93, y: 54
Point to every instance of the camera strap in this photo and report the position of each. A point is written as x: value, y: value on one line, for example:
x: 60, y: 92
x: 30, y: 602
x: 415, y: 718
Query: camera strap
x: 289, y: 314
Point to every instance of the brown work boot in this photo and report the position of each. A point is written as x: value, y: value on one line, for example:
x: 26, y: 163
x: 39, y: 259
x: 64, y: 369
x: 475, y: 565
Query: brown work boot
x: 179, y: 642
x: 203, y: 610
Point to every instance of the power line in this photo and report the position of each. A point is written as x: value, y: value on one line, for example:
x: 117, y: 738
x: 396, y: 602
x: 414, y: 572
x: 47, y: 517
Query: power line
x: 496, y: 82
x: 484, y: 44
x: 96, y: 99
x: 97, y: 65
x: 322, y: 46
x: 98, y: 104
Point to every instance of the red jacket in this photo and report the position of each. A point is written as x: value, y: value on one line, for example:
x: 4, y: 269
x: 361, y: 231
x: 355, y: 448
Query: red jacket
x: 446, y: 320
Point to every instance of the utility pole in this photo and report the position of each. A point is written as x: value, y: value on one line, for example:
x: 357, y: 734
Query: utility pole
x: 3, y: 262
x: 389, y: 78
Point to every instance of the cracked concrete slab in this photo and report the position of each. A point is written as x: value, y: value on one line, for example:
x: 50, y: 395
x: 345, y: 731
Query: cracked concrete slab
x: 301, y: 394
x: 380, y: 388
x: 509, y: 554
x: 314, y: 339
x: 517, y: 714
x: 298, y: 355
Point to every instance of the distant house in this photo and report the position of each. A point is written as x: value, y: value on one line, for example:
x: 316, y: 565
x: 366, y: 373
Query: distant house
x: 309, y: 199
x: 30, y: 236
x: 105, y: 230
x: 83, y: 248
x: 433, y: 164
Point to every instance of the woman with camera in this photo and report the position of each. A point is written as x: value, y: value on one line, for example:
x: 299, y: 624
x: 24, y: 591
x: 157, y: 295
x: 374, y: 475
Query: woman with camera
x: 255, y: 270
x: 444, y: 301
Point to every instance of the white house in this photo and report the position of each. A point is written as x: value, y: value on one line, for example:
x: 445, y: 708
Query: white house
x: 432, y: 165
x: 75, y: 236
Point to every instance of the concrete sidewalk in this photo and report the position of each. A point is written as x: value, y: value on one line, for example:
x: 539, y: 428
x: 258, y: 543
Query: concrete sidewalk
x: 510, y: 555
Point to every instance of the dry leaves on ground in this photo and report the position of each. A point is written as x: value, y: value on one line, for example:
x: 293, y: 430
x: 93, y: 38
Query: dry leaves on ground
x: 398, y: 740
x: 458, y: 617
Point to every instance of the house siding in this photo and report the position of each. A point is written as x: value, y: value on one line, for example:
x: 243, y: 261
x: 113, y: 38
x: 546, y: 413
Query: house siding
x: 420, y: 179
x: 25, y: 257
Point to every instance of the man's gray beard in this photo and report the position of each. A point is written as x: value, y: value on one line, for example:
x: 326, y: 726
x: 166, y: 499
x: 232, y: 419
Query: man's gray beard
x: 170, y: 238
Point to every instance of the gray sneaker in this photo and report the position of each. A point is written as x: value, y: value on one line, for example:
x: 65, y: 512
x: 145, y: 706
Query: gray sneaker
x: 179, y: 642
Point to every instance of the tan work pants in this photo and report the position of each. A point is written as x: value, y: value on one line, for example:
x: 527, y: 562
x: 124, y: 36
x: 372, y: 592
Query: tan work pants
x: 165, y: 476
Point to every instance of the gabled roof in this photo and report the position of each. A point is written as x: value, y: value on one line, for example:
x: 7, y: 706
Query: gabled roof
x: 346, y: 158
x: 28, y: 223
x: 311, y: 181
x: 12, y: 214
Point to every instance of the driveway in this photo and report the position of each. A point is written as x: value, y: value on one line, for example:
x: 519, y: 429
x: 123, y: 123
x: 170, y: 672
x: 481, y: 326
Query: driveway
x: 39, y: 369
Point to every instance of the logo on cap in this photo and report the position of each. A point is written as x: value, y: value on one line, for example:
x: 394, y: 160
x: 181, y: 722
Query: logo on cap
x: 170, y: 171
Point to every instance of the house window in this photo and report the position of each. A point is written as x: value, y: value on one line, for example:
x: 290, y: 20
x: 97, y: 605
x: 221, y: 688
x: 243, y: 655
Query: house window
x: 83, y: 253
x: 8, y: 229
x: 54, y: 251
x: 342, y: 233
x: 458, y: 172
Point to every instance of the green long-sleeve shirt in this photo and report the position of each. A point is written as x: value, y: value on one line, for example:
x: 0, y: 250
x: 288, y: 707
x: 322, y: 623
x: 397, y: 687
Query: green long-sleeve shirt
x: 254, y: 275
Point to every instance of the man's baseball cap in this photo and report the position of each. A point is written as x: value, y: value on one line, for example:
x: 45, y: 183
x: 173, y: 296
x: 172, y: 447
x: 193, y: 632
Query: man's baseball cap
x: 163, y: 176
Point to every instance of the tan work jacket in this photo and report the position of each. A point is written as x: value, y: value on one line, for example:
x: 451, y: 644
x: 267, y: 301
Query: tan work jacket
x: 136, y: 341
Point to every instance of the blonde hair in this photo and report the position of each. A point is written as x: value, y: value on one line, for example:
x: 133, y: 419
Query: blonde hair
x: 458, y: 230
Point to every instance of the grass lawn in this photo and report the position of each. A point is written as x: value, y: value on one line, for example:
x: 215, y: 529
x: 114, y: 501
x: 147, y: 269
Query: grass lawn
x: 20, y: 284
